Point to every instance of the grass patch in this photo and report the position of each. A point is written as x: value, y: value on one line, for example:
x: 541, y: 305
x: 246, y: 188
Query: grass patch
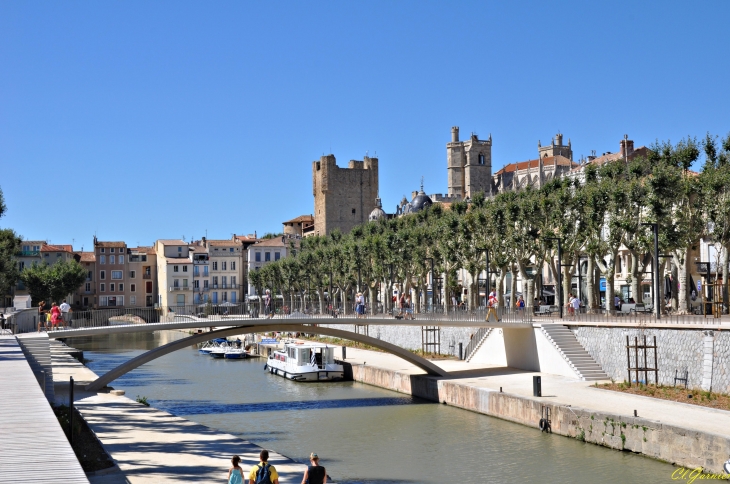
x: 695, y: 397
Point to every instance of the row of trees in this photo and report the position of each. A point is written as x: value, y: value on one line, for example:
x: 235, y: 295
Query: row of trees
x: 595, y: 215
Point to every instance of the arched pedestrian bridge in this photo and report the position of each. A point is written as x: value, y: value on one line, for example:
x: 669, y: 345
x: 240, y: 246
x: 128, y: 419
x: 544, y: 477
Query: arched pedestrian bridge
x: 222, y: 326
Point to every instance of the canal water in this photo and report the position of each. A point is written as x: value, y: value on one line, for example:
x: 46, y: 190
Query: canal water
x: 363, y: 434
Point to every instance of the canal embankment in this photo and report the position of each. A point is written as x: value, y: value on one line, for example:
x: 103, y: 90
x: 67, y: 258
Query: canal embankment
x: 677, y: 433
x: 149, y: 445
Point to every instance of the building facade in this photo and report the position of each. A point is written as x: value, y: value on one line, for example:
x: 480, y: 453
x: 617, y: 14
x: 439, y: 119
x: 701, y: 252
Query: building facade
x: 111, y: 273
x: 174, y: 273
x: 226, y: 266
x: 268, y: 251
x: 142, y: 277
x: 85, y: 296
x: 343, y: 197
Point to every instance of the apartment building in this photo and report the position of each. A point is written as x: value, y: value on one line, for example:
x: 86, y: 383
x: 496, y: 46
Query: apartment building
x: 246, y: 242
x: 85, y: 296
x: 267, y: 251
x: 141, y: 289
x: 174, y: 273
x: 226, y: 265
x: 111, y: 273
x: 201, y: 273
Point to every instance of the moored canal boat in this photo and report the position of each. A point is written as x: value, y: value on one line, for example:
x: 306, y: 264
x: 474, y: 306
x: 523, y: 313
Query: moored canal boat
x: 305, y: 362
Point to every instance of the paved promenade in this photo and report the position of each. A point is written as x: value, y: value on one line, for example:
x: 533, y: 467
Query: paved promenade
x: 562, y: 391
x: 152, y: 446
x: 33, y: 446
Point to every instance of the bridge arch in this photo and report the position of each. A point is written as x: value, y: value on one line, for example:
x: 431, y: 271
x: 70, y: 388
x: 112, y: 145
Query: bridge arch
x: 140, y: 360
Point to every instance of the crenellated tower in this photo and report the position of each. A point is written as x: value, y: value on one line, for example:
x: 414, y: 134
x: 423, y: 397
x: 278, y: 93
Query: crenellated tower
x: 469, y: 165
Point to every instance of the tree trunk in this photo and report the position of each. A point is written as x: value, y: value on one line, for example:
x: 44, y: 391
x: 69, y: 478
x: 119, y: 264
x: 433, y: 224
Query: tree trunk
x: 500, y: 287
x: 513, y: 286
x: 680, y: 259
x: 371, y: 299
x: 590, y: 288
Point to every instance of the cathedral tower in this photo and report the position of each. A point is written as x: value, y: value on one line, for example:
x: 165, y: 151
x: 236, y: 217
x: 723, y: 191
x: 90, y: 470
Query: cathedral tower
x: 469, y: 165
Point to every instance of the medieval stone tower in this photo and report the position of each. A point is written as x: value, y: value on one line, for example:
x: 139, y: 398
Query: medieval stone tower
x: 343, y: 197
x: 469, y: 165
x: 556, y: 148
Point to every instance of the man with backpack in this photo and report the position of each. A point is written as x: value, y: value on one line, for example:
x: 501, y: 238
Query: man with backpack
x: 263, y: 472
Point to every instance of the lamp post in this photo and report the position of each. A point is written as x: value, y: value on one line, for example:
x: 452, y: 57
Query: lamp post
x: 657, y: 302
x: 559, y: 292
x: 706, y: 265
x: 390, y: 286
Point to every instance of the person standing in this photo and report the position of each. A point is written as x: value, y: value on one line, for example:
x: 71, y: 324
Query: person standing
x: 41, y: 315
x: 409, y: 308
x: 235, y: 473
x: 55, y: 316
x: 492, y: 306
x: 263, y: 472
x: 576, y: 306
x: 65, y: 313
x: 315, y: 473
x: 267, y: 305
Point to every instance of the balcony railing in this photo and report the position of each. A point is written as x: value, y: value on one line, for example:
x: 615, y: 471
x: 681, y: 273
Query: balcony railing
x: 29, y: 253
x: 146, y: 276
x: 225, y: 286
x: 180, y: 288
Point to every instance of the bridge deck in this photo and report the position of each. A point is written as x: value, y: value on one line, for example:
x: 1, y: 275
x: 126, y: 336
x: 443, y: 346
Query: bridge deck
x: 34, y: 447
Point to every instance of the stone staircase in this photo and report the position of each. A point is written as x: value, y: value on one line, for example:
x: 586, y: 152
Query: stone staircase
x: 36, y: 348
x: 573, y: 352
x: 471, y: 349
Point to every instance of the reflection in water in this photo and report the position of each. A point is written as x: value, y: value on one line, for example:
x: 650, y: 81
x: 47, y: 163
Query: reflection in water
x: 363, y: 434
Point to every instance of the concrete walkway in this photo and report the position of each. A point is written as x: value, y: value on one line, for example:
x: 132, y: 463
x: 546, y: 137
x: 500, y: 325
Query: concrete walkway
x: 152, y: 446
x: 561, y: 390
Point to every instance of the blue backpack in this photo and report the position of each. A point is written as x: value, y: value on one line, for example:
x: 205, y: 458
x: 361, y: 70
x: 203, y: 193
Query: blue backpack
x: 263, y: 475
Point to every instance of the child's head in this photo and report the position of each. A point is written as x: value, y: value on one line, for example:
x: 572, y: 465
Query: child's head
x: 235, y: 460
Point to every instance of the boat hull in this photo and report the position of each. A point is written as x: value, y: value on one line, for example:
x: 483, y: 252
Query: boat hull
x: 236, y: 356
x: 308, y: 376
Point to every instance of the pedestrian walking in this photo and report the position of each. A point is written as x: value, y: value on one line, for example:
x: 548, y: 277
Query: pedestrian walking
x: 267, y: 305
x: 65, y: 313
x: 315, y: 473
x: 235, y: 473
x: 41, y: 315
x: 359, y: 305
x: 263, y: 472
x: 409, y: 308
x: 55, y: 316
x: 520, y: 304
x: 492, y: 303
x: 576, y: 306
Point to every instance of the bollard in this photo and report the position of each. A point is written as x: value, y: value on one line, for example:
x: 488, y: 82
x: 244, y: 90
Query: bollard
x: 461, y: 351
x: 536, y: 386
x: 71, y: 411
x: 344, y: 353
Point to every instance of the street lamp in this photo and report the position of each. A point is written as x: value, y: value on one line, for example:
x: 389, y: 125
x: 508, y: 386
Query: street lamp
x: 559, y: 292
x: 432, y: 284
x: 488, y: 282
x: 657, y: 302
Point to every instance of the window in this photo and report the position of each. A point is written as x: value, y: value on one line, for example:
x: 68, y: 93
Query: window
x: 102, y: 287
x: 196, y: 271
x: 176, y: 283
x: 88, y: 287
x: 185, y: 268
x: 175, y: 268
x: 224, y: 281
x: 116, y: 274
x: 233, y: 281
x: 179, y: 249
x: 233, y: 265
x: 133, y: 300
x: 102, y: 259
x: 148, y: 287
x: 223, y: 265
x: 277, y: 255
x: 205, y: 271
x: 231, y: 249
x: 185, y: 283
x: 121, y: 259
x: 89, y: 275
x: 258, y: 256
x: 102, y: 275
x: 196, y: 284
x: 121, y: 287
x: 215, y: 281
x: 233, y: 296
x: 111, y: 250
x: 181, y: 299
x: 205, y: 284
x: 111, y: 287
x: 132, y: 274
x: 353, y: 211
x: 102, y: 250
x: 21, y: 265
x: 103, y: 301
x: 215, y: 265
x: 225, y: 296
x: 267, y: 256
x: 481, y: 159
x: 144, y: 258
x: 133, y: 287
x: 112, y: 259
x: 215, y: 297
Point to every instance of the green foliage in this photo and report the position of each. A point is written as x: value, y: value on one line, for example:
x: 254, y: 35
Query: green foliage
x: 53, y: 282
x: 9, y: 246
x: 143, y: 401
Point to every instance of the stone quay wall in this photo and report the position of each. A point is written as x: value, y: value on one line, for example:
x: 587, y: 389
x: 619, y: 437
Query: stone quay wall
x: 703, y: 354
x: 676, y: 445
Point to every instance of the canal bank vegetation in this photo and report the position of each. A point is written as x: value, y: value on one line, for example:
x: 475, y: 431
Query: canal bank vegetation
x: 86, y: 446
x: 676, y: 394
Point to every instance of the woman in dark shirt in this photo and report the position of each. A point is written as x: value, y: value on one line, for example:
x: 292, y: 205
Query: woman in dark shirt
x: 315, y: 474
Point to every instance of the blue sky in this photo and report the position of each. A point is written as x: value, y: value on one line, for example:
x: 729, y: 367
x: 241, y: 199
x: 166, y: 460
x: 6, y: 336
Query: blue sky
x: 146, y: 120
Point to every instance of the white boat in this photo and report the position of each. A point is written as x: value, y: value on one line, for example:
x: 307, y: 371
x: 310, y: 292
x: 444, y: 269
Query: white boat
x: 219, y: 352
x: 305, y: 362
x: 235, y: 353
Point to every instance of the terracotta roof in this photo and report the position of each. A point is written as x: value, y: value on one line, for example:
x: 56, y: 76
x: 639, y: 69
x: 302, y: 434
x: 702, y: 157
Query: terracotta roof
x: 225, y: 242
x: 273, y: 242
x: 57, y: 248
x: 172, y: 242
x: 110, y: 244
x: 547, y: 161
x: 142, y: 250
x: 300, y: 219
x: 87, y: 256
